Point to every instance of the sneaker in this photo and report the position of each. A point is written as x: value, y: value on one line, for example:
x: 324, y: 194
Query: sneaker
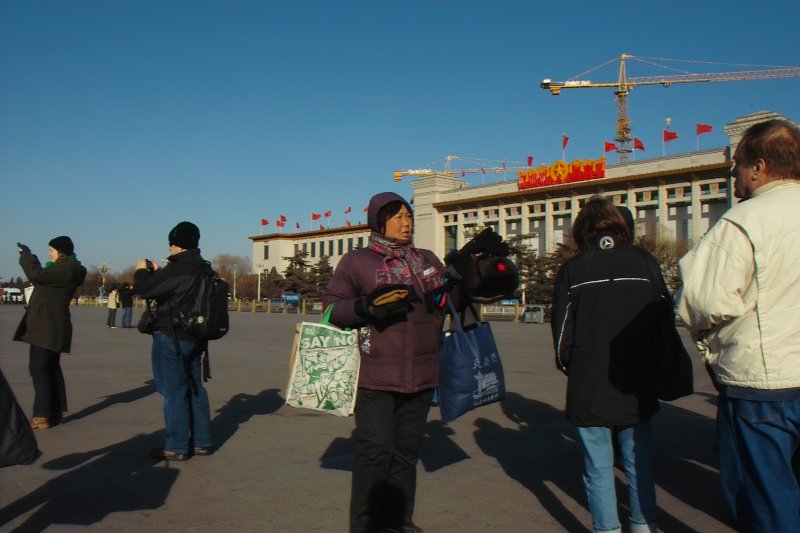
x: 113, y: 327
x: 199, y: 450
x: 160, y: 454
x: 40, y: 422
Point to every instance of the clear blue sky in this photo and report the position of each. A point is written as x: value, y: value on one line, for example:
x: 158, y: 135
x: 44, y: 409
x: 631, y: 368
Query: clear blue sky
x: 119, y: 119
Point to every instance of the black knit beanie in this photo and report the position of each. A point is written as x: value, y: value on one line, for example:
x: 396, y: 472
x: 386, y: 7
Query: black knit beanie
x: 63, y: 244
x: 185, y: 235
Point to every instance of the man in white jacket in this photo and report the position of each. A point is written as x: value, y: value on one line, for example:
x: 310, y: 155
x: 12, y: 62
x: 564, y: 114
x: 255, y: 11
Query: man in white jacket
x: 741, y: 300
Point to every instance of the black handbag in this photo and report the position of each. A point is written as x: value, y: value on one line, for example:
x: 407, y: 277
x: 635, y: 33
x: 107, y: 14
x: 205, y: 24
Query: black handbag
x: 147, y: 322
x: 672, y: 374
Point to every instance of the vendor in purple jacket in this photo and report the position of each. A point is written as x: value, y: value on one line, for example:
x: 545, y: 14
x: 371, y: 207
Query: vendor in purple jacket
x: 393, y: 293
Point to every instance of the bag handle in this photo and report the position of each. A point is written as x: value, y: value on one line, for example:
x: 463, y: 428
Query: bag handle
x: 326, y: 316
x: 454, y: 319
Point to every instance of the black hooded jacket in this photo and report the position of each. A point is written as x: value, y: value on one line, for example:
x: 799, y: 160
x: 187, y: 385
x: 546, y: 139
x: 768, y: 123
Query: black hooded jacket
x: 604, y: 323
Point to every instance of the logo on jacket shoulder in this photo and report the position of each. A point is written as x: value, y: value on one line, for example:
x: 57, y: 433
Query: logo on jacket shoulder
x: 606, y: 242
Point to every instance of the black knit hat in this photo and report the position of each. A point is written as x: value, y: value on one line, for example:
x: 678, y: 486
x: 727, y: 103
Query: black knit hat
x: 185, y: 235
x: 62, y: 244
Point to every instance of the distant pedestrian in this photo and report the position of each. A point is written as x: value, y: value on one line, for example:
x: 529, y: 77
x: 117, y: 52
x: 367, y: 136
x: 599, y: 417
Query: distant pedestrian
x: 113, y: 304
x: 47, y: 327
x: 126, y: 302
x: 741, y: 300
x: 602, y: 332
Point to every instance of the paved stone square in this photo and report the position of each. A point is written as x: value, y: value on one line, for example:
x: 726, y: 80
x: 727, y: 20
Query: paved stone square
x: 510, y: 467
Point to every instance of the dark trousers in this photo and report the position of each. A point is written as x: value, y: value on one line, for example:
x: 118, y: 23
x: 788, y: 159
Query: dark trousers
x: 50, y: 392
x: 389, y: 429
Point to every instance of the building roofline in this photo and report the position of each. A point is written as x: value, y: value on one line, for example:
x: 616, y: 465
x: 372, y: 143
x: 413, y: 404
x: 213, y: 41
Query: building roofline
x: 580, y: 184
x: 309, y: 234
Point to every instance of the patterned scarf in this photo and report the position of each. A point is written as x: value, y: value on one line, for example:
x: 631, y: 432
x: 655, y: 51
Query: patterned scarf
x: 403, y: 263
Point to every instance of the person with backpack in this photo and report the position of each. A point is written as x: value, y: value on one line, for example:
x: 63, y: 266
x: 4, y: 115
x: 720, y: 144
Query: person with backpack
x: 176, y: 353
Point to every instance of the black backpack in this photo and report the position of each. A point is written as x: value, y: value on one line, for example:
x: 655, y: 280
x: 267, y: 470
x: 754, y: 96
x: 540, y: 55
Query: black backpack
x: 203, y: 312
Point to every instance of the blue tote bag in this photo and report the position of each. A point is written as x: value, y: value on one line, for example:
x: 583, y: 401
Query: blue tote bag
x: 470, y: 371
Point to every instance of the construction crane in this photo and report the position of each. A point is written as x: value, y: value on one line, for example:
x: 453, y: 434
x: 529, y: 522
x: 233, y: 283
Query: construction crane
x: 624, y: 85
x: 479, y: 168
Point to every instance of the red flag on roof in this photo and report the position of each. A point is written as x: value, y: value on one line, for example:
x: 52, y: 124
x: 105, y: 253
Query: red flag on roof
x: 328, y: 213
x: 564, y: 141
x: 347, y: 222
x: 264, y: 221
x: 530, y: 160
x: 669, y: 136
x: 638, y: 144
x: 366, y: 209
x: 609, y: 147
x: 704, y: 128
x: 462, y: 173
x: 347, y: 210
x: 315, y: 216
x: 283, y: 218
x: 280, y: 223
x: 321, y: 226
x: 297, y: 225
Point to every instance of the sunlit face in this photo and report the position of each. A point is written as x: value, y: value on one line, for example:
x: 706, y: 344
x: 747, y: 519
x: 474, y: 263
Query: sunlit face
x: 400, y: 226
x: 743, y: 171
x: 52, y: 254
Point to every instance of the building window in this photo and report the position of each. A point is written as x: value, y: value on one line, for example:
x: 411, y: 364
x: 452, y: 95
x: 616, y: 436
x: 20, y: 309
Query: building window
x: 350, y: 244
x: 341, y: 246
x: 305, y: 248
x: 266, y: 252
x: 296, y: 248
x: 361, y: 242
x: 313, y: 249
x: 450, y: 238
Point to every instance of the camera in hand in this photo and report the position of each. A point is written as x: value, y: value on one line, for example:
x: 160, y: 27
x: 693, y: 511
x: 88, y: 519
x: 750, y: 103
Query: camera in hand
x: 149, y: 265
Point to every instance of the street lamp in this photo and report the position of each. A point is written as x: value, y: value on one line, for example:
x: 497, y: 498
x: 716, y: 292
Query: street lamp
x: 103, y: 268
x: 260, y: 268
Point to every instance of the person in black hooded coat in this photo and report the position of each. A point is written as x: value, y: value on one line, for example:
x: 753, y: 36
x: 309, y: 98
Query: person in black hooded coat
x: 604, y: 322
x: 47, y: 326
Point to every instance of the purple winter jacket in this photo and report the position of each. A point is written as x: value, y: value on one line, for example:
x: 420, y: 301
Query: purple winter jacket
x: 402, y: 357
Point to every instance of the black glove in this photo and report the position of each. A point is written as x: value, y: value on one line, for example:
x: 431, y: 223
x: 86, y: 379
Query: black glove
x: 23, y: 248
x: 386, y: 302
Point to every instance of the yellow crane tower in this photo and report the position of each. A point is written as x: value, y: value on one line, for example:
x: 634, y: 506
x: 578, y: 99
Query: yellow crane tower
x: 481, y: 166
x: 624, y: 85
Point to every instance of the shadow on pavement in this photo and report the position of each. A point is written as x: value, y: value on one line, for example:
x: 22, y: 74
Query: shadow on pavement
x: 241, y: 408
x: 437, y: 450
x: 544, y: 452
x: 128, y: 396
x: 113, y: 479
x: 121, y: 477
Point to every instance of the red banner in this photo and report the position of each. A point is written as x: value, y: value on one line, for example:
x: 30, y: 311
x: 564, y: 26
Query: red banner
x: 669, y: 136
x: 562, y: 172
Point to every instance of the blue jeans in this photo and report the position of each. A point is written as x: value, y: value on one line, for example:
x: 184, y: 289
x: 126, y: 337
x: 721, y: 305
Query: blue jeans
x: 127, y: 315
x: 635, y: 445
x: 112, y: 317
x: 757, y: 442
x: 187, y: 416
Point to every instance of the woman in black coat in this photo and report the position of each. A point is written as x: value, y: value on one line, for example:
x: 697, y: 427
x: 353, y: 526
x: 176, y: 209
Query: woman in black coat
x: 47, y: 327
x: 604, y: 322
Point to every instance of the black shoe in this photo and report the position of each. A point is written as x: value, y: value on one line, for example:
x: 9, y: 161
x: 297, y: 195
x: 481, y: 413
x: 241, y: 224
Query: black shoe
x: 203, y: 451
x: 161, y: 454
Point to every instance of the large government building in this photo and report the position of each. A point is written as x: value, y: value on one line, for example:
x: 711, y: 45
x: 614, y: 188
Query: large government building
x: 676, y: 197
